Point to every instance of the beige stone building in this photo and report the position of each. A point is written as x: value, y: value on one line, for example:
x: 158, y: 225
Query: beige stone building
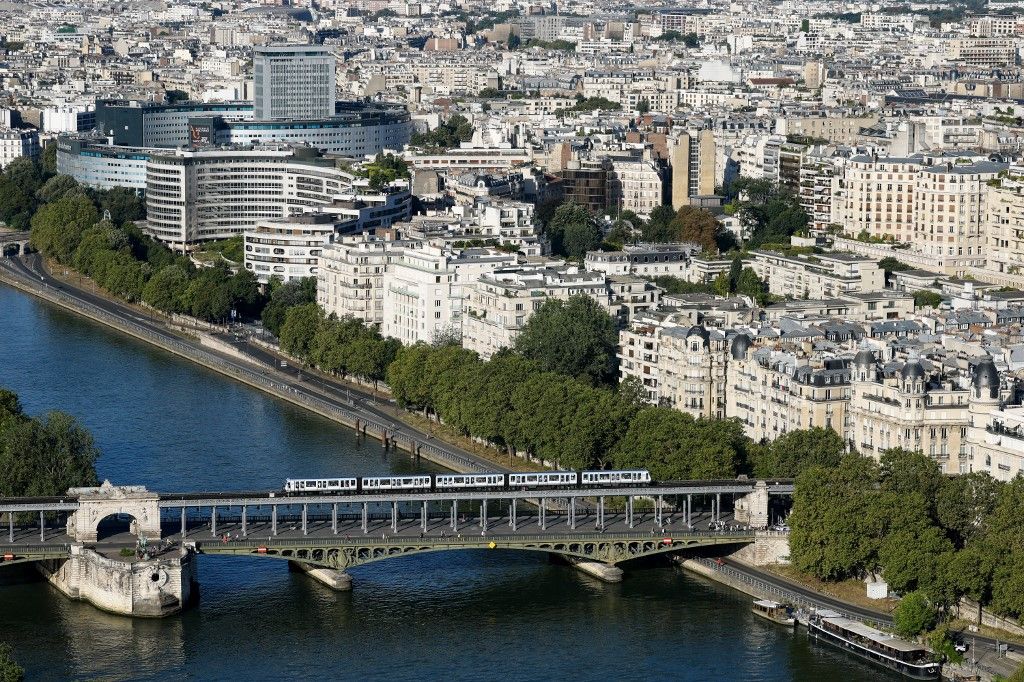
x: 907, y: 407
x: 819, y: 276
x: 499, y: 303
x: 692, y: 156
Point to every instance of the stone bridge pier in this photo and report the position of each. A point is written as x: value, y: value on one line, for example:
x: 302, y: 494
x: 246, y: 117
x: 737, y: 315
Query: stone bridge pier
x: 97, y: 504
x: 752, y: 509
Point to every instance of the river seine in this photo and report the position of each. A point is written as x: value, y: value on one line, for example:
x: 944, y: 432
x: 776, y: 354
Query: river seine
x: 165, y: 423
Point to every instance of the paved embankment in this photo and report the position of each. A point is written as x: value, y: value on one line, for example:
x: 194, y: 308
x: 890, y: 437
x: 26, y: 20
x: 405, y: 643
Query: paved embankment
x: 986, y: 663
x: 238, y: 366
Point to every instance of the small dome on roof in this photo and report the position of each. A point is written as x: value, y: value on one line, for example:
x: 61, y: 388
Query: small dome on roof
x: 697, y: 330
x: 912, y: 370
x: 986, y: 379
x: 740, y: 345
x: 864, y: 359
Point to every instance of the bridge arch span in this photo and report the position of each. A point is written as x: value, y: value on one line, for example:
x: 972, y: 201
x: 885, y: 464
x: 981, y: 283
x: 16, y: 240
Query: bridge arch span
x: 611, y: 551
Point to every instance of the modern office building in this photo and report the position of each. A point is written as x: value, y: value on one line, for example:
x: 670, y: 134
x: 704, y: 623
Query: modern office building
x: 350, y: 129
x: 293, y: 82
x: 102, y: 166
x: 195, y: 196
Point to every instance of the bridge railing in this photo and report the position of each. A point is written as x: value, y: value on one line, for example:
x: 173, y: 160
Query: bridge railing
x: 474, y: 538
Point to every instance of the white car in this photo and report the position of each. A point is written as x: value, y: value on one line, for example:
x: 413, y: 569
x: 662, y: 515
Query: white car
x: 961, y: 647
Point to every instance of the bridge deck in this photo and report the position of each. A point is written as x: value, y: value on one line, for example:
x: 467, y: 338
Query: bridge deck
x: 278, y: 498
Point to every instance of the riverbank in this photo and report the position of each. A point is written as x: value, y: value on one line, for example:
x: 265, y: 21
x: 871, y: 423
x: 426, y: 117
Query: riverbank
x: 984, y: 661
x: 349, y: 411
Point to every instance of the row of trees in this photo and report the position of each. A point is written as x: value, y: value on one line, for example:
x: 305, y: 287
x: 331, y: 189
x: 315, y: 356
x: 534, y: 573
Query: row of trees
x: 344, y: 347
x: 941, y: 537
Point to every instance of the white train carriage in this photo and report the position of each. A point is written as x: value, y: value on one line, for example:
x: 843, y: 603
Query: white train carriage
x: 631, y: 477
x: 464, y: 481
x: 320, y: 485
x: 373, y: 483
x: 544, y: 479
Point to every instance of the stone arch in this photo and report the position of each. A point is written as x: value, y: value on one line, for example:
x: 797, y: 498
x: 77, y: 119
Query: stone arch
x: 115, y: 524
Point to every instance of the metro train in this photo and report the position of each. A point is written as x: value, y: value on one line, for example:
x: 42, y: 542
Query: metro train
x: 482, y: 481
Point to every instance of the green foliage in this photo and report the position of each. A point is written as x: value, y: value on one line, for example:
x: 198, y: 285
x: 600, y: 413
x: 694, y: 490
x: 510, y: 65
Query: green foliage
x: 643, y: 106
x: 891, y: 265
x: 573, y: 232
x: 792, y: 453
x: 557, y: 44
x: 57, y: 228
x: 926, y: 298
x: 832, y: 536
x: 446, y: 136
x: 10, y: 671
x: 40, y: 457
x: 283, y: 297
x: 490, y: 93
x: 674, y: 285
x: 385, y: 169
x: 300, y: 327
x: 688, y: 224
x: 913, y: 615
x: 673, y: 445
x: 575, y: 337
x: 772, y: 211
x: 589, y: 105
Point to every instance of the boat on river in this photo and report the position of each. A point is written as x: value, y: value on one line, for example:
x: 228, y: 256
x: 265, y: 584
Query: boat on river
x: 774, y: 611
x: 907, y: 658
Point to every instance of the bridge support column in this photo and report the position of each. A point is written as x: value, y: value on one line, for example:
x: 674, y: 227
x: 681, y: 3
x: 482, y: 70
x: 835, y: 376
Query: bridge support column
x: 658, y: 516
x: 423, y: 516
x: 572, y: 513
x: 334, y: 518
x: 273, y: 519
x: 542, y: 518
x: 394, y: 517
x: 629, y: 511
x: 455, y: 516
x: 182, y: 523
x: 245, y: 525
x: 336, y: 580
x: 604, y: 572
x: 366, y: 527
x: 305, y: 509
x: 10, y: 527
x: 512, y: 515
x: 42, y: 527
x: 718, y: 506
x: 600, y: 513
x: 213, y: 522
x: 689, y: 508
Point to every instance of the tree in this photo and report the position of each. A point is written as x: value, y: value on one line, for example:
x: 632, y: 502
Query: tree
x: 57, y: 227
x: 693, y: 224
x: 749, y: 284
x: 643, y: 106
x: 165, y: 289
x: 964, y: 503
x: 906, y: 472
x: 891, y: 265
x: 285, y: 296
x: 300, y: 327
x: 124, y: 204
x: 406, y: 376
x: 673, y: 445
x: 793, y: 452
x: 579, y: 238
x: 10, y: 671
x: 913, y: 615
x: 927, y: 299
x: 575, y: 337
x: 833, y: 535
x: 58, y: 187
x: 570, y: 221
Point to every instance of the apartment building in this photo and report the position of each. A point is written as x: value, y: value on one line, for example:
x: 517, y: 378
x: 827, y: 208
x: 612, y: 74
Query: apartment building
x: 645, y: 260
x: 827, y: 275
x: 693, y: 157
x: 15, y: 144
x: 351, y: 275
x: 425, y: 290
x: 499, y: 303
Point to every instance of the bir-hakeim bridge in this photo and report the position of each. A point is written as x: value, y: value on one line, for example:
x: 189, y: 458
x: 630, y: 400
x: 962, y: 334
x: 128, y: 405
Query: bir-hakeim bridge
x: 132, y: 551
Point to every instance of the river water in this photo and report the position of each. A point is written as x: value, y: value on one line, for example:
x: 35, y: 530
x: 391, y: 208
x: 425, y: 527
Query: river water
x: 170, y: 425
